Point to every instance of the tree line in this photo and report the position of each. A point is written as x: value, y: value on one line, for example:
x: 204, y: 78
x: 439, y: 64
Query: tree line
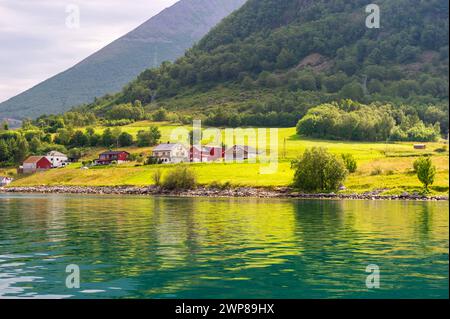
x: 353, y: 121
x: 16, y: 145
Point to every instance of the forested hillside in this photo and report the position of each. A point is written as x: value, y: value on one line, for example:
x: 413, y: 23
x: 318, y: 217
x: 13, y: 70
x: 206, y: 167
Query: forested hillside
x: 272, y: 60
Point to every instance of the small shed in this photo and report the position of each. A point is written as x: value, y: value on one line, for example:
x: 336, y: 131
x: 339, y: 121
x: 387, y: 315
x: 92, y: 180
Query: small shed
x: 420, y: 147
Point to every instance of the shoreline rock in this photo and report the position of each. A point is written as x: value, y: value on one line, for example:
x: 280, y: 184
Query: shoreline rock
x: 239, y: 192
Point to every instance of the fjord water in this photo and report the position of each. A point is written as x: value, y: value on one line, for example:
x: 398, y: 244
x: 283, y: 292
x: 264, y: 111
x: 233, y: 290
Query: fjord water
x: 145, y: 247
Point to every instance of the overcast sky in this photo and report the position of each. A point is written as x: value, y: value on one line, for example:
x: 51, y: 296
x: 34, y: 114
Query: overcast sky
x: 40, y: 38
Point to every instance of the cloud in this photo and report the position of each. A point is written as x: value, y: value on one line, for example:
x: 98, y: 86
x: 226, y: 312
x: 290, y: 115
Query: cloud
x: 36, y: 43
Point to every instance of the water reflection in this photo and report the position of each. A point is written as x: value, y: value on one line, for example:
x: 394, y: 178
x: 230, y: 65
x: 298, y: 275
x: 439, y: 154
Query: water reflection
x: 220, y: 248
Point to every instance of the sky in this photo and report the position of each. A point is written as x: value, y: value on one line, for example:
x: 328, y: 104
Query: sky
x: 40, y: 38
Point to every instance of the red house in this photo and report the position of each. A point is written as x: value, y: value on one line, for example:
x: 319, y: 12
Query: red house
x: 206, y: 154
x: 35, y: 164
x: 107, y: 158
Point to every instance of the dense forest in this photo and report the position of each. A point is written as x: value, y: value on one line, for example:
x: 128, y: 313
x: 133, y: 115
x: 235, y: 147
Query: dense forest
x: 356, y: 122
x: 271, y: 61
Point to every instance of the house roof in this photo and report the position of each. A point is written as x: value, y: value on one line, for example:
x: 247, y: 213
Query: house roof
x: 113, y: 152
x: 243, y: 147
x: 207, y: 148
x: 34, y: 159
x: 56, y: 154
x: 165, y: 147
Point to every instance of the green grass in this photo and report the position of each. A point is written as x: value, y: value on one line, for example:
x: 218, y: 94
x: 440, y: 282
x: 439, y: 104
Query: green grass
x: 392, y: 162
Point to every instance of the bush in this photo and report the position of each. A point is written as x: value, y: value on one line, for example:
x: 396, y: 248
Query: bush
x: 376, y: 171
x: 426, y: 171
x: 442, y: 149
x: 221, y: 186
x: 416, y: 166
x: 121, y: 122
x: 318, y: 170
x: 136, y: 157
x: 350, y: 162
x: 422, y: 133
x: 157, y: 177
x: 125, y: 139
x: 180, y: 178
x: 160, y: 115
x: 87, y: 163
x: 75, y: 154
x: 151, y: 160
x: 148, y: 138
x: 126, y: 111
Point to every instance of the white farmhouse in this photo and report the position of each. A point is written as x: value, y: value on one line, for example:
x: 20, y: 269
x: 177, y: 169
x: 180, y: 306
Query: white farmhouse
x: 171, y: 153
x: 57, y: 159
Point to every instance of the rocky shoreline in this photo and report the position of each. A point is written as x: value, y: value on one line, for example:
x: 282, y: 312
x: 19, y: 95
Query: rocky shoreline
x: 281, y: 192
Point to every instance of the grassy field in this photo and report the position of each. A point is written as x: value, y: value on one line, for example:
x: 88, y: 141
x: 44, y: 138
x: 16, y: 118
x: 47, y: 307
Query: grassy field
x: 381, y: 166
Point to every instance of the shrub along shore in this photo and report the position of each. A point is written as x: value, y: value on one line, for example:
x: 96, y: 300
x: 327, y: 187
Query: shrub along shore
x: 237, y: 192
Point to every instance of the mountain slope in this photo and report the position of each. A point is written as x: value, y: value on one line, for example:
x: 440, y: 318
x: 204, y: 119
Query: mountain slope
x: 164, y: 37
x: 285, y: 56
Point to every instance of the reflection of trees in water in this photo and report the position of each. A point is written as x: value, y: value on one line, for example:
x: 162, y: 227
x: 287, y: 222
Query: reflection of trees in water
x: 423, y: 225
x: 431, y: 237
x: 32, y: 219
x: 171, y: 245
x: 341, y: 238
x: 222, y: 237
x: 320, y: 225
x: 106, y: 235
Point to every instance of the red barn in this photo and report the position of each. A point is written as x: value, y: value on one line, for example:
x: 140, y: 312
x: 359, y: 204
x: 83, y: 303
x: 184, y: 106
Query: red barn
x: 107, y: 158
x: 207, y: 154
x: 35, y: 164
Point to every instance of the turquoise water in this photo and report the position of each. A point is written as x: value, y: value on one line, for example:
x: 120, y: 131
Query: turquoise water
x: 143, y: 247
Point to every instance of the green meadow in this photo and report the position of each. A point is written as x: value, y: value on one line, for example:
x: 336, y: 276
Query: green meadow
x: 384, y: 167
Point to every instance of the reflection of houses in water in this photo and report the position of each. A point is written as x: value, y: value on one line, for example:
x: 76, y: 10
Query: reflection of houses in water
x: 56, y: 207
x: 172, y: 227
x: 238, y: 228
